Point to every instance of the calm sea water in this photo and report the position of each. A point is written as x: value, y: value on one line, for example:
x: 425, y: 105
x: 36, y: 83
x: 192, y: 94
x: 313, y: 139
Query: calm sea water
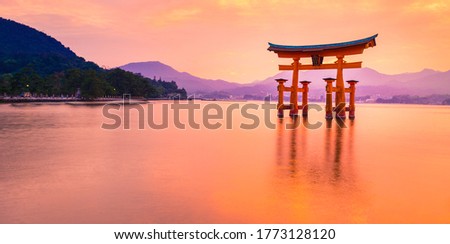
x: 390, y: 165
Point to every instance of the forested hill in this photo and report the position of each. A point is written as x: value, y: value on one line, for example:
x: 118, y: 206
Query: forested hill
x: 31, y: 61
x: 22, y: 46
x: 20, y: 39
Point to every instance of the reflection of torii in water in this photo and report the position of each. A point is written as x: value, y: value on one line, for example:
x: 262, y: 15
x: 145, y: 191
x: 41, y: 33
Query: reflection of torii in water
x: 315, y: 169
x: 292, y: 148
x: 339, y: 138
x: 317, y: 54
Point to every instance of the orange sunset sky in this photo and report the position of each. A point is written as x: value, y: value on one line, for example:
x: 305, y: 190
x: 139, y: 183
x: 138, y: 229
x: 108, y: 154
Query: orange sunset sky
x: 228, y: 39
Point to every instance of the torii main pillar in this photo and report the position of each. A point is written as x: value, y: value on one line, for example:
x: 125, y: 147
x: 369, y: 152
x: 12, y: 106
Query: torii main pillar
x: 294, y: 91
x: 340, y: 89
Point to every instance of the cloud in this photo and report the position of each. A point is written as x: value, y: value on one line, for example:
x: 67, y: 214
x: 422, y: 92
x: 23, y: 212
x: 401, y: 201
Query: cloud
x: 237, y: 3
x: 429, y: 6
x: 182, y: 14
x: 81, y: 12
x: 174, y: 16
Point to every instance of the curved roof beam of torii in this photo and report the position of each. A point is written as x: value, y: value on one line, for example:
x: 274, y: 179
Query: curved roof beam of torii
x: 332, y: 49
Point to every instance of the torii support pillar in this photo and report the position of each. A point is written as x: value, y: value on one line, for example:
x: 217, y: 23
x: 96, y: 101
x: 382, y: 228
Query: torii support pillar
x: 305, y: 90
x: 329, y: 98
x: 280, y: 105
x: 352, y: 90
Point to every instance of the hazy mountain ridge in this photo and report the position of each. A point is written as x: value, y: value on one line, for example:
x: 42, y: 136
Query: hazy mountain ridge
x: 191, y: 83
x: 372, y: 82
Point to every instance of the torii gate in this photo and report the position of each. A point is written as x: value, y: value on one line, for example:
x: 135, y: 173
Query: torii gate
x: 317, y: 54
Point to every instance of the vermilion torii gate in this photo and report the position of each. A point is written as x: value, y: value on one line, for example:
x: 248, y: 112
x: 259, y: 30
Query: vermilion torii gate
x: 317, y: 54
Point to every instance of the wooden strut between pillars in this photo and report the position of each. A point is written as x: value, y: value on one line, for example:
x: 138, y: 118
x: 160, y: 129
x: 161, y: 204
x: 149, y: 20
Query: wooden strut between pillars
x: 329, y: 98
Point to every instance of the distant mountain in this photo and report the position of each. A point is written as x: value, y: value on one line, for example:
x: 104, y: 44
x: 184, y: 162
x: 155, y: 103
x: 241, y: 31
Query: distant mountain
x: 372, y: 82
x: 425, y: 82
x: 192, y: 84
x: 366, y: 76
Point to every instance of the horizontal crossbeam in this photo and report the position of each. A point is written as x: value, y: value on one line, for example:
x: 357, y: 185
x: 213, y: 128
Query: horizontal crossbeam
x: 322, y: 66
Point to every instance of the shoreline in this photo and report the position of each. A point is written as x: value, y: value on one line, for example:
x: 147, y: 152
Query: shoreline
x: 54, y: 100
x: 105, y: 100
